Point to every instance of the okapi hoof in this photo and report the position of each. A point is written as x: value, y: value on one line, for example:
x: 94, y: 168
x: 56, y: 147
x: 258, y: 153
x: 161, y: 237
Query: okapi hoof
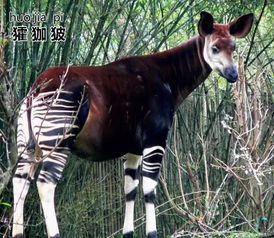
x: 152, y: 234
x: 56, y: 236
x: 18, y: 236
x: 128, y: 235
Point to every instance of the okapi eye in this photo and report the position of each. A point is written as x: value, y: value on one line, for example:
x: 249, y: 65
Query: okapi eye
x: 215, y: 50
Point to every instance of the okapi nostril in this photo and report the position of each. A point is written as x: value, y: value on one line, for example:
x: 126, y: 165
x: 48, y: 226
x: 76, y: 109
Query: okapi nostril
x: 231, y: 74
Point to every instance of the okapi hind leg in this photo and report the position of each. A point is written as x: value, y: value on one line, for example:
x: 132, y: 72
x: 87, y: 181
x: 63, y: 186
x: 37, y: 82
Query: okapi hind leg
x: 132, y: 174
x: 21, y: 182
x: 56, y: 124
x: 50, y: 174
x: 24, y: 173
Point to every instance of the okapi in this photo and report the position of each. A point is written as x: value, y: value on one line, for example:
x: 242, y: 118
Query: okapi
x: 124, y: 108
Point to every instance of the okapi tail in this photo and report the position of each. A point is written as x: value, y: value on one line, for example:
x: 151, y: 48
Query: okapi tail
x: 31, y: 144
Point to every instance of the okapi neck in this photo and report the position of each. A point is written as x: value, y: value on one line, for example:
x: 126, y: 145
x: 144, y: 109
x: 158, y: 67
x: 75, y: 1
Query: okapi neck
x: 184, y: 67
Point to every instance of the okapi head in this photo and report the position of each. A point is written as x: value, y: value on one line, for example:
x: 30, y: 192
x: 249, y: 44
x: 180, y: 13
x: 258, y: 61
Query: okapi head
x: 219, y: 46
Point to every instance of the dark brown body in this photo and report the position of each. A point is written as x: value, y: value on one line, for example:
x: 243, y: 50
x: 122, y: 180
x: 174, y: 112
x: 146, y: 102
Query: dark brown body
x: 126, y: 94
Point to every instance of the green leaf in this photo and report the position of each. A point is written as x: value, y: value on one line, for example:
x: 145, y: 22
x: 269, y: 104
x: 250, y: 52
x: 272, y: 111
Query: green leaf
x: 6, y: 204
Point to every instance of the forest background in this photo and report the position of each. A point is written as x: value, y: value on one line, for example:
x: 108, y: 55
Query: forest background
x: 217, y: 176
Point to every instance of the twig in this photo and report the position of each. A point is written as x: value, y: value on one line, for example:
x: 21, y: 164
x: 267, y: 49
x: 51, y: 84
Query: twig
x: 232, y: 209
x: 254, y: 33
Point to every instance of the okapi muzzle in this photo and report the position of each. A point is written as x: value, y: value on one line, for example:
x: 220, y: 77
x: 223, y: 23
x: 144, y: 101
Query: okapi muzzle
x: 230, y: 73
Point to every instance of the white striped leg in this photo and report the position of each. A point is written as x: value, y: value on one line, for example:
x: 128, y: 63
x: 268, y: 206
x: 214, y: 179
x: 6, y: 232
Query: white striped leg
x: 54, y: 126
x: 21, y: 182
x: 24, y: 173
x: 50, y: 174
x: 46, y: 194
x: 131, y: 167
x: 152, y: 159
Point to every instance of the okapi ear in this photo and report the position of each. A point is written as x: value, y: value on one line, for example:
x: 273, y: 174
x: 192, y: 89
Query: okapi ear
x: 205, y: 25
x: 241, y: 26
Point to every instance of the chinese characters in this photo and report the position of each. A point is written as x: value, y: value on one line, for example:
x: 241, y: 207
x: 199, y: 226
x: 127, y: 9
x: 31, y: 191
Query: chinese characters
x: 36, y: 32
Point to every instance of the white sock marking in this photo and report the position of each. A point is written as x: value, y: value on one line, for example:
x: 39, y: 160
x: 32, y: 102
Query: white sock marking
x: 130, y: 184
x: 148, y: 185
x: 46, y: 193
x: 150, y: 218
x: 20, y: 190
x: 129, y: 217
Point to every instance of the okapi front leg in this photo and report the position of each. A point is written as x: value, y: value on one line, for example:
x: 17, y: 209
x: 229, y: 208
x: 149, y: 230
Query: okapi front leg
x: 152, y: 159
x: 132, y: 172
